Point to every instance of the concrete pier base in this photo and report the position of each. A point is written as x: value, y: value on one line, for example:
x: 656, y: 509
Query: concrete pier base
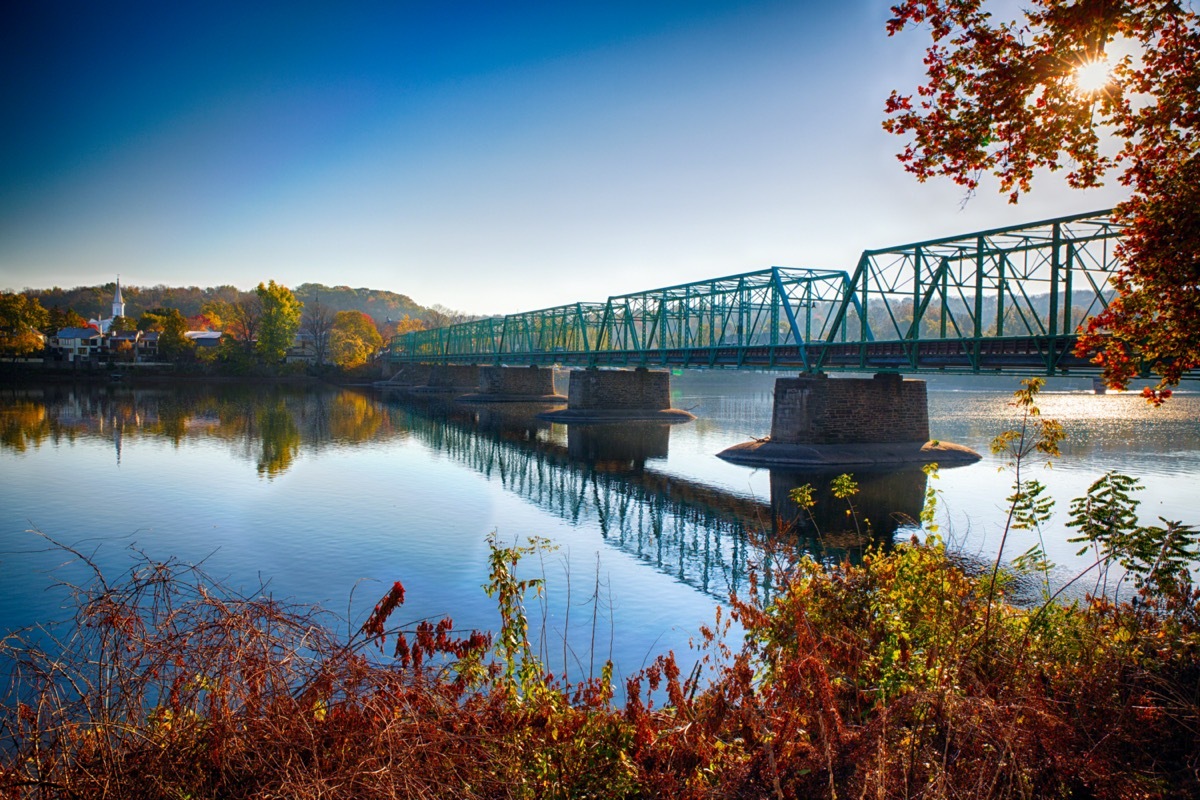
x: 450, y: 379
x: 515, y: 385
x: 818, y: 421
x: 407, y: 377
x: 610, y: 395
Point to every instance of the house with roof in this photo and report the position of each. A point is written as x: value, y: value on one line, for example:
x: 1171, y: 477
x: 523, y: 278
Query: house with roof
x: 147, y: 346
x: 123, y: 346
x: 302, y: 351
x: 205, y: 339
x: 77, y: 344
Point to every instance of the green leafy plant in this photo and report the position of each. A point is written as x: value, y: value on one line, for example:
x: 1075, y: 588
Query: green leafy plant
x: 929, y: 508
x: 844, y: 488
x: 521, y: 671
x: 1033, y: 436
x: 1157, y: 557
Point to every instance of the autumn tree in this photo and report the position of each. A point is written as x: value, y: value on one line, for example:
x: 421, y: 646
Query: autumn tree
x: 21, y: 319
x: 280, y: 321
x: 238, y: 314
x: 203, y: 322
x: 124, y: 351
x: 1092, y: 87
x: 405, y: 324
x: 355, y: 339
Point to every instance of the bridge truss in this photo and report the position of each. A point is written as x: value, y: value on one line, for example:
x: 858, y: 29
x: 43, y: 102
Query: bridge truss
x: 1006, y: 300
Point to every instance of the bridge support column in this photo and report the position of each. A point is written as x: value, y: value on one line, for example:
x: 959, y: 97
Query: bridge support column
x: 819, y: 420
x: 531, y: 384
x: 596, y: 395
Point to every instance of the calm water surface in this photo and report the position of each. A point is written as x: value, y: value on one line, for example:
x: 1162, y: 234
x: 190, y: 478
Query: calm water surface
x: 327, y: 496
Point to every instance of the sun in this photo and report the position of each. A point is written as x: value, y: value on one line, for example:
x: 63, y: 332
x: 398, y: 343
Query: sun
x: 1093, y: 76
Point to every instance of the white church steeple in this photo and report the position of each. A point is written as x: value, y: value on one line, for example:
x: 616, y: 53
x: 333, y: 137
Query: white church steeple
x: 118, y: 310
x: 118, y: 301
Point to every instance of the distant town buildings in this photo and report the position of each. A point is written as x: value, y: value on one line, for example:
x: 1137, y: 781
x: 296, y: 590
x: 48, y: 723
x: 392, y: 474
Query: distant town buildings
x: 98, y: 342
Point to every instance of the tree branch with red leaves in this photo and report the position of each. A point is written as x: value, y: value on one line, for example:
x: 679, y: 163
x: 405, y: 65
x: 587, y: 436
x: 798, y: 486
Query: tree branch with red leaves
x: 1005, y: 99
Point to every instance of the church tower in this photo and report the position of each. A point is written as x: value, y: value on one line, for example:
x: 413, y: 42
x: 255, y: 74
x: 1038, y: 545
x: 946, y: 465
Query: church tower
x: 118, y: 301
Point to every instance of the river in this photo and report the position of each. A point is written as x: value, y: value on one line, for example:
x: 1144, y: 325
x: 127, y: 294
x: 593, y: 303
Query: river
x: 326, y: 496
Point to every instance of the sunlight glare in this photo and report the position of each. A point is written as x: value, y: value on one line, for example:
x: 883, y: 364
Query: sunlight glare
x: 1092, y: 76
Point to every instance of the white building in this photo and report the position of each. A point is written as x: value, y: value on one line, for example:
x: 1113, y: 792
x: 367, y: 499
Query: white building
x: 118, y: 310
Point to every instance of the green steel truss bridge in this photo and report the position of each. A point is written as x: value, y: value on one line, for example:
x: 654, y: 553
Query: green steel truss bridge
x: 1006, y: 301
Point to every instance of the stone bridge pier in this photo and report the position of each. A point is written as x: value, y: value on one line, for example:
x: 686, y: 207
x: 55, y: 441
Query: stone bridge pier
x: 822, y: 421
x: 450, y: 379
x: 532, y: 384
x: 612, y: 395
x: 407, y: 376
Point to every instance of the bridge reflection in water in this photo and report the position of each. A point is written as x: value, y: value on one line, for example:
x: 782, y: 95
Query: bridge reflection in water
x: 702, y: 535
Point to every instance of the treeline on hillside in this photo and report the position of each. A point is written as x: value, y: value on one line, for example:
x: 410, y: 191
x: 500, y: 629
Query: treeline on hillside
x: 96, y: 301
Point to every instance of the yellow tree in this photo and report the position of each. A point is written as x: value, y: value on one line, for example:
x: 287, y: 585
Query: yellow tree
x: 355, y: 339
x: 280, y: 321
x: 20, y: 319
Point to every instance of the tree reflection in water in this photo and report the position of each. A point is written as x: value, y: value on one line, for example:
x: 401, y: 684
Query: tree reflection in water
x: 267, y: 425
x: 605, y: 475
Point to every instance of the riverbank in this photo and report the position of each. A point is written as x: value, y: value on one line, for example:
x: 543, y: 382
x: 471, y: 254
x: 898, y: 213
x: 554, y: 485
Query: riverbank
x: 902, y: 675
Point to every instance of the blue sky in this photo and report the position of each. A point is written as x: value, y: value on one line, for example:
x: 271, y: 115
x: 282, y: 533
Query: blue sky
x: 492, y: 157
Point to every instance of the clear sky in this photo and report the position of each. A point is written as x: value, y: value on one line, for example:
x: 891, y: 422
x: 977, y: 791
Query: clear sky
x: 492, y: 157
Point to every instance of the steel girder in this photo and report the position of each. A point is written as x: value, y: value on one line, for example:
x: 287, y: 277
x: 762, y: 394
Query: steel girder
x: 707, y: 323
x: 1030, y: 285
x: 1009, y: 299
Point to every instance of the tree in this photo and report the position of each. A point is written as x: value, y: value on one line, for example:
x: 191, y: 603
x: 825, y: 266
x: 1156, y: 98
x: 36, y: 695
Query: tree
x: 317, y: 324
x: 21, y: 319
x: 280, y: 321
x: 239, y: 316
x: 203, y: 322
x: 173, y: 343
x: 1011, y: 98
x: 154, y: 319
x: 439, y: 316
x: 59, y: 319
x: 355, y: 339
x: 405, y: 324
x: 124, y: 351
x: 123, y: 325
